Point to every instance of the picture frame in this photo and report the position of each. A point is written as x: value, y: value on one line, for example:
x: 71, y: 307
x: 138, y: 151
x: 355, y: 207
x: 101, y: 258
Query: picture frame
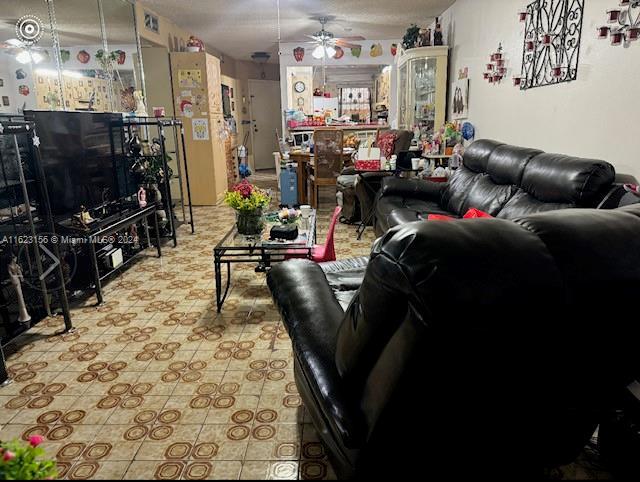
x: 1, y: 82
x: 460, y: 99
x: 5, y: 100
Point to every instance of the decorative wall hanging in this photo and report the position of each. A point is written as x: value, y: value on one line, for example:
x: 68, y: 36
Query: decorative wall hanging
x: 394, y: 49
x: 298, y: 54
x: 627, y: 19
x: 553, y: 29
x: 460, y: 101
x: 356, y: 52
x: 376, y: 50
x: 339, y: 53
x: 496, y: 68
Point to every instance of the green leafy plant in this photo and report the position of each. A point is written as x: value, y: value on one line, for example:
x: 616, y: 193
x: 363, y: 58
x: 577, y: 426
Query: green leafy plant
x: 410, y: 38
x: 245, y: 197
x: 19, y: 461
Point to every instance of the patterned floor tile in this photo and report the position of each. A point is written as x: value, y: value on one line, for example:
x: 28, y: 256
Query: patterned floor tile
x: 155, y: 384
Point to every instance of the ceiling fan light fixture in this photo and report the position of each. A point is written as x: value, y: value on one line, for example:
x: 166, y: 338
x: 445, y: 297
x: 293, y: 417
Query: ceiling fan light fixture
x: 331, y: 52
x: 23, y: 57
x: 318, y: 52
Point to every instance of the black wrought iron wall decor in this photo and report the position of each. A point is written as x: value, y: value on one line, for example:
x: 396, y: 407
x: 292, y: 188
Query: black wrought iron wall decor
x: 553, y: 29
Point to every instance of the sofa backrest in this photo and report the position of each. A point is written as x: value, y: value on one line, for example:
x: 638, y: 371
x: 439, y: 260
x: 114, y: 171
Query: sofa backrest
x: 518, y: 331
x: 509, y: 181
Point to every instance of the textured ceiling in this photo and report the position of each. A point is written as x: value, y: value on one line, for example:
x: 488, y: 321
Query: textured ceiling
x: 240, y: 27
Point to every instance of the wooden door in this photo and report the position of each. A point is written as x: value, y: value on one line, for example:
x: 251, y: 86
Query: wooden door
x: 266, y: 117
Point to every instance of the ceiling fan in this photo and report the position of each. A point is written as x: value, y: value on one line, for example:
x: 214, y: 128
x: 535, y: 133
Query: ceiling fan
x: 24, y: 52
x: 326, y: 42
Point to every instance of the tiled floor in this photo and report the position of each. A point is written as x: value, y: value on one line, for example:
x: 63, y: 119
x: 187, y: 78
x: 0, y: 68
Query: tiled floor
x: 155, y: 384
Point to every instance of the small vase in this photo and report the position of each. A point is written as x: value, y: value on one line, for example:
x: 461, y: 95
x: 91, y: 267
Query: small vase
x: 250, y: 223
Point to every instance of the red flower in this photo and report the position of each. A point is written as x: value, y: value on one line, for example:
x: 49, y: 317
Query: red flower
x: 8, y: 455
x: 244, y: 188
x: 36, y: 440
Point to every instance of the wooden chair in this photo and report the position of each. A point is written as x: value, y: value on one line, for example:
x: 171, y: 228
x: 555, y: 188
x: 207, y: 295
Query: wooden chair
x: 327, y: 160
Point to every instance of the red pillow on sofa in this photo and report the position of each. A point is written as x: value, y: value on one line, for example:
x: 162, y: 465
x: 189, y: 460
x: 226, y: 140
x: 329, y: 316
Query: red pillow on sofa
x: 474, y: 213
x: 439, y: 217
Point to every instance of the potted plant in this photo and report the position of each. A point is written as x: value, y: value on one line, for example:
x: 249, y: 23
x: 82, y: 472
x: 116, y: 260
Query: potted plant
x: 248, y: 202
x: 20, y: 461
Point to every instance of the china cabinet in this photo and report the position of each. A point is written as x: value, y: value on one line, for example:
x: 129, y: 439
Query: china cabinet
x: 422, y: 88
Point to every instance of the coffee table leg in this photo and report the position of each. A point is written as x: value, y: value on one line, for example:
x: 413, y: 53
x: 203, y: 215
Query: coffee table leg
x: 221, y: 296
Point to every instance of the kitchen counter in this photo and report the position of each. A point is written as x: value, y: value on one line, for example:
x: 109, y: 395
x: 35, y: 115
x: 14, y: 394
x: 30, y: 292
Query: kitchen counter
x: 356, y: 127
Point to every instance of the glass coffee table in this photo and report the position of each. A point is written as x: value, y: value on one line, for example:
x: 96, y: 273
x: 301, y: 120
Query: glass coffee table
x: 259, y: 250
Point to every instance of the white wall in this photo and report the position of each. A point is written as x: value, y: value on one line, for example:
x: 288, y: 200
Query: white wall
x: 595, y: 116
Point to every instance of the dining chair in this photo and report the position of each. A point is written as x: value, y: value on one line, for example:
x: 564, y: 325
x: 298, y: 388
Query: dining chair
x: 327, y: 160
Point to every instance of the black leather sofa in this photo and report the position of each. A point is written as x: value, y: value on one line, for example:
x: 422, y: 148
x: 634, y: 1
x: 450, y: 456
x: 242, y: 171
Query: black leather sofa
x: 479, y: 347
x: 502, y: 180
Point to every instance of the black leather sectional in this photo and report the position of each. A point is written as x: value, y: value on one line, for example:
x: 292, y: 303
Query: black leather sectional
x: 484, y: 347
x: 505, y: 181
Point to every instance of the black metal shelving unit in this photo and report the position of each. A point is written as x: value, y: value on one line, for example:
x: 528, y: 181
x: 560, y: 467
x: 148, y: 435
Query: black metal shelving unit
x: 142, y: 126
x: 26, y: 231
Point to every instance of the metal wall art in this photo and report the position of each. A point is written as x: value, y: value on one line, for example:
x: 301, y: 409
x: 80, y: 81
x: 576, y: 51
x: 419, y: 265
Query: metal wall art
x: 624, y: 23
x: 496, y: 69
x: 553, y: 29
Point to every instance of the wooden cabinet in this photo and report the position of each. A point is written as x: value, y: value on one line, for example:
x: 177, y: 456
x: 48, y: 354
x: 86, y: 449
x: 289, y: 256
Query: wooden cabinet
x: 198, y: 102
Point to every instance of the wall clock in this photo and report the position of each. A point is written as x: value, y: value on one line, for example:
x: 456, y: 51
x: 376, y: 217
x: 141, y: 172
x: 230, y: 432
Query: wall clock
x: 299, y: 87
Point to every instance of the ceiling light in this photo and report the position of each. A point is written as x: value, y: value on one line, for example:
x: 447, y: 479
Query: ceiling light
x: 26, y: 57
x: 318, y: 53
x: 23, y: 57
x: 331, y: 52
x: 386, y: 69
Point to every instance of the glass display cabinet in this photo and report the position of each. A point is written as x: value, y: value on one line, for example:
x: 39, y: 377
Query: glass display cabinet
x: 422, y: 88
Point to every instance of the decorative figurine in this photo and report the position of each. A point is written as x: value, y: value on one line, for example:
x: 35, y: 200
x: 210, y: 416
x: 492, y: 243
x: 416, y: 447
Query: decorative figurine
x: 141, y: 108
x: 83, y: 218
x: 142, y: 197
x: 437, y: 34
x: 16, y: 277
x: 424, y: 37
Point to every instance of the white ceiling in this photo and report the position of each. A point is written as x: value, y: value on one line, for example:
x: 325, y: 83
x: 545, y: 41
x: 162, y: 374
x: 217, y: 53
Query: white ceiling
x: 241, y: 27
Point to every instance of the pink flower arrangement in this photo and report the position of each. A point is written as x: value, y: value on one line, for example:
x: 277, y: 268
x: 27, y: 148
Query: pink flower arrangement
x: 245, y: 188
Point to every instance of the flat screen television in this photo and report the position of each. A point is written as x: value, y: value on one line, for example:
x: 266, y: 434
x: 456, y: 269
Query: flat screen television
x: 82, y: 159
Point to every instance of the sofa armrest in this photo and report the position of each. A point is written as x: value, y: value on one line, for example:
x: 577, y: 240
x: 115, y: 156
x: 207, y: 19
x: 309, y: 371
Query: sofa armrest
x: 303, y: 295
x: 413, y: 188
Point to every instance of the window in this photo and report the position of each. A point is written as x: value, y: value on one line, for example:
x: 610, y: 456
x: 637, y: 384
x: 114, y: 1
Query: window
x: 356, y: 103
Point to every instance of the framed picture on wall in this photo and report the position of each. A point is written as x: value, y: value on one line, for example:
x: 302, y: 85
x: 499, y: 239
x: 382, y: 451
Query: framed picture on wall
x: 1, y: 82
x: 5, y: 100
x: 460, y: 101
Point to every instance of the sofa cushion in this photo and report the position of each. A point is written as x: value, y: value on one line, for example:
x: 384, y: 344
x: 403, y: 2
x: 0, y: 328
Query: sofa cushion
x: 555, y: 178
x: 476, y: 157
x: 455, y: 193
x: 523, y: 204
x: 506, y: 163
x: 488, y: 196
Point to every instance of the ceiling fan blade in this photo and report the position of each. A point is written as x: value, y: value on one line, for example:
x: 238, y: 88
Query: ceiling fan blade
x: 347, y: 45
x: 358, y: 38
x: 14, y: 42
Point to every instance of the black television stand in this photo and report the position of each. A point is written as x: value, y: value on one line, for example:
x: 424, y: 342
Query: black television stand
x: 100, y: 231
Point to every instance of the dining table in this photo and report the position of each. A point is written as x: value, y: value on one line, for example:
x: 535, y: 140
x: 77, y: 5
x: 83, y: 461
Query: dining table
x: 303, y: 159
